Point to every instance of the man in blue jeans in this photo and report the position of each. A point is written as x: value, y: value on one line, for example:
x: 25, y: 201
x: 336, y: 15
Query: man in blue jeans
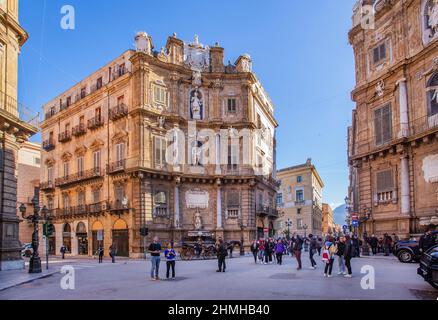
x: 155, y: 249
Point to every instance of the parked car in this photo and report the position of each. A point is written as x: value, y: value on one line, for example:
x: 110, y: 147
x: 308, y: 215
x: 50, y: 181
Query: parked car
x: 26, y: 250
x: 408, y: 250
x: 429, y: 266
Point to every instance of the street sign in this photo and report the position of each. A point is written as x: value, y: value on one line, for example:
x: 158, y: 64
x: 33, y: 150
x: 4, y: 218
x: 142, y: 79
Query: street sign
x: 266, y: 230
x: 355, y: 223
x: 344, y: 227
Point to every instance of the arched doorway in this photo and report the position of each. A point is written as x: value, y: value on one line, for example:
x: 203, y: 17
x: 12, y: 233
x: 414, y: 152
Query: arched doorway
x: 121, y: 238
x: 52, y: 241
x: 97, y: 235
x: 66, y: 237
x: 81, y: 234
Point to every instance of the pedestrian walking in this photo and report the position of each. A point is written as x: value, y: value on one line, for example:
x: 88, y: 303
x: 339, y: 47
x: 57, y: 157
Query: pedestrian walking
x: 348, y: 255
x: 100, y: 253
x: 387, y: 241
x: 319, y: 248
x: 170, y: 255
x: 63, y: 250
x: 155, y: 250
x: 356, y: 246
x: 255, y: 249
x: 222, y: 253
x: 268, y: 251
x: 279, y: 251
x: 374, y: 242
x: 297, y: 248
x: 340, y: 255
x: 313, y: 247
x: 112, y: 253
x: 328, y: 257
x: 262, y: 251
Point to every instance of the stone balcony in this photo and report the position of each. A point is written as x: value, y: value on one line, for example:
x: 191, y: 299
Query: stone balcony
x: 79, y: 130
x: 64, y: 136
x: 118, y: 112
x: 48, y: 145
x: 95, y: 123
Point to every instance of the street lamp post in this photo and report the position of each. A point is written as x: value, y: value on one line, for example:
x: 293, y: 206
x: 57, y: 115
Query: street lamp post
x: 242, y: 250
x: 35, y: 260
x: 365, y: 217
x: 288, y: 224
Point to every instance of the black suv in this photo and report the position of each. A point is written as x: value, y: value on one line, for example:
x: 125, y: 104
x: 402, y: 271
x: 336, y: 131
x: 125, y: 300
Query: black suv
x: 409, y: 250
x: 429, y: 266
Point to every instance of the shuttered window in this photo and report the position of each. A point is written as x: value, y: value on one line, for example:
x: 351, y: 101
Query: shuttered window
x: 160, y: 95
x: 383, y: 125
x: 384, y: 181
x: 231, y: 105
x: 379, y: 53
x: 120, y: 152
x: 160, y: 151
x: 96, y: 160
x: 233, y: 199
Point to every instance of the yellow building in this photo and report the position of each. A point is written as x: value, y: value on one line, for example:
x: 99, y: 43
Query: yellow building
x: 300, y: 200
x: 157, y: 140
x: 17, y: 124
x: 328, y: 224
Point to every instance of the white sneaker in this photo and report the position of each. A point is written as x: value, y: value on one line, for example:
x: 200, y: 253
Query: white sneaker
x: 325, y: 274
x: 339, y: 273
x: 329, y: 276
x: 348, y: 276
x: 312, y: 268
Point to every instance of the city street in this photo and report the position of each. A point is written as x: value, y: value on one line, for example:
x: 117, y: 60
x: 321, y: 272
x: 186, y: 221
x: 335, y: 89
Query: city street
x: 129, y: 279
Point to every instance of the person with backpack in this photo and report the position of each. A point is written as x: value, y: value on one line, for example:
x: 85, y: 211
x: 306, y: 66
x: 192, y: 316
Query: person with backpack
x: 297, y: 248
x: 348, y: 255
x: 222, y: 253
x: 170, y: 255
x: 313, y: 246
x: 328, y: 256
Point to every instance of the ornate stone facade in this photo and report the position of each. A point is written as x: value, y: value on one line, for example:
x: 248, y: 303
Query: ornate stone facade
x: 147, y: 142
x: 15, y: 127
x: 393, y: 139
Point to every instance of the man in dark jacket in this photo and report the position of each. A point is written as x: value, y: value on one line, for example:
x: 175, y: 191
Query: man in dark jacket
x: 222, y: 252
x: 374, y: 242
x: 387, y: 241
x: 269, y: 247
x: 297, y: 247
x: 427, y: 240
x: 255, y: 249
x: 348, y: 254
x: 313, y: 246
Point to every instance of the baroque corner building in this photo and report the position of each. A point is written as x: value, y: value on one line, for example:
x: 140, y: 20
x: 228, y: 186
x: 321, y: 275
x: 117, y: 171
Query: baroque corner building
x: 161, y: 140
x: 15, y: 127
x: 392, y: 143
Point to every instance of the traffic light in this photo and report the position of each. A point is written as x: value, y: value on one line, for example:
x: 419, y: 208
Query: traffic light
x: 49, y: 230
x: 144, y: 231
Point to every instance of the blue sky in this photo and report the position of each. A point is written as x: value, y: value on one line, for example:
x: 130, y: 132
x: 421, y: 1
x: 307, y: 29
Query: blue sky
x: 300, y: 53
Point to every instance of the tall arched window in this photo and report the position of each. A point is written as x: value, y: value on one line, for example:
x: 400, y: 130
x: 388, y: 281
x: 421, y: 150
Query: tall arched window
x: 432, y: 95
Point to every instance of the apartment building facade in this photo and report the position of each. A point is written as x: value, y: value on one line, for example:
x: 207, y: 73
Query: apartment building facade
x: 157, y: 141
x: 392, y: 146
x: 300, y: 200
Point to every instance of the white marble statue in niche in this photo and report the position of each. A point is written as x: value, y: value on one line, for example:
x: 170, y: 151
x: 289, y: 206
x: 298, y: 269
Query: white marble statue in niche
x: 196, y: 105
x: 432, y: 12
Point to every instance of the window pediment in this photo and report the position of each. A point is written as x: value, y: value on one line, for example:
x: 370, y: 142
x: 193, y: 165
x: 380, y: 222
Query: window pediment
x: 50, y: 162
x: 66, y: 156
x: 120, y: 137
x: 81, y: 150
x: 97, y: 144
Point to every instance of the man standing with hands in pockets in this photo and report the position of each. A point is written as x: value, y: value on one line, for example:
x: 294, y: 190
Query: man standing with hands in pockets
x: 155, y: 249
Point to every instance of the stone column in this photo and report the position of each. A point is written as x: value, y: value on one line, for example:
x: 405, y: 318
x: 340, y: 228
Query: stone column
x: 404, y: 185
x: 176, y: 204
x: 403, y: 108
x: 218, y: 154
x: 219, y: 205
x: 10, y: 248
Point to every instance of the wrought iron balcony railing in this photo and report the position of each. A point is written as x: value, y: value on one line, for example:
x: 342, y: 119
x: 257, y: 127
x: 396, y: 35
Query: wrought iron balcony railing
x: 48, y: 145
x: 78, y: 177
x: 79, y: 130
x: 64, y: 136
x: 18, y: 110
x: 95, y: 122
x: 266, y: 211
x: 47, y: 185
x: 116, y: 166
x: 118, y: 112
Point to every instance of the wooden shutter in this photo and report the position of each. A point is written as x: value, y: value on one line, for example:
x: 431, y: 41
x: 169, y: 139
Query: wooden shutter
x: 233, y: 198
x: 384, y: 181
x: 383, y: 125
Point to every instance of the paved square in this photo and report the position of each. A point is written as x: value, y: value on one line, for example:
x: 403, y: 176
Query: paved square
x: 129, y: 279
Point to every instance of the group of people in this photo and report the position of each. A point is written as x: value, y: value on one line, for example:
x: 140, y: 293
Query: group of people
x: 342, y: 249
x: 383, y: 244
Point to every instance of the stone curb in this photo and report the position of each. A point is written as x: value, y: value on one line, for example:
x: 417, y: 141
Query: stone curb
x: 19, y: 283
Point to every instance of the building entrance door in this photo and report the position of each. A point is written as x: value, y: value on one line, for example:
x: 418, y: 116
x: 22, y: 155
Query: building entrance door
x: 121, y: 242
